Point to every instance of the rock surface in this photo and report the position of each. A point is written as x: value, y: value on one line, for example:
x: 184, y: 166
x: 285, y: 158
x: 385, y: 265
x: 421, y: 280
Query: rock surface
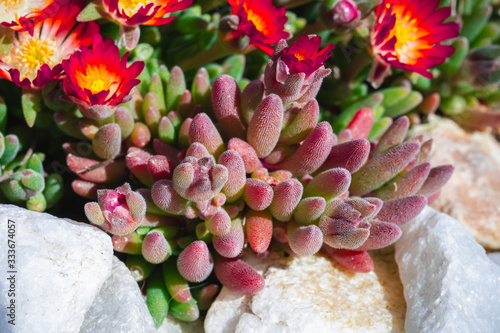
x: 450, y: 283
x: 119, y: 306
x: 472, y: 196
x: 173, y: 325
x: 495, y: 257
x: 60, y: 267
x: 312, y: 294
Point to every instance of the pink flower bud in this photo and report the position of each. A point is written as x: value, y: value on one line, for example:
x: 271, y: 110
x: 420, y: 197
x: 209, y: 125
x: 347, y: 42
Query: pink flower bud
x: 122, y: 210
x: 195, y: 262
x: 199, y: 179
x: 293, y: 71
x: 344, y: 12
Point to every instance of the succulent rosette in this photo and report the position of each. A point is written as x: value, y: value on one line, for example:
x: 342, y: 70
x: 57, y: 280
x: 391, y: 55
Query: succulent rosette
x: 35, y: 57
x: 261, y: 21
x: 118, y: 211
x: 98, y: 80
x: 408, y: 35
x: 296, y: 72
x: 143, y: 12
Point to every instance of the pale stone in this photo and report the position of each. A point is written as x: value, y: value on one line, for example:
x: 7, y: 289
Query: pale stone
x: 119, y: 306
x: 60, y: 265
x: 472, y: 196
x: 174, y: 325
x: 495, y: 257
x: 450, y: 284
x: 313, y: 294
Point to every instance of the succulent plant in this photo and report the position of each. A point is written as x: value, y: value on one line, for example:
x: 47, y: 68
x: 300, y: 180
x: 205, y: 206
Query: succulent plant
x: 188, y: 161
x: 250, y: 166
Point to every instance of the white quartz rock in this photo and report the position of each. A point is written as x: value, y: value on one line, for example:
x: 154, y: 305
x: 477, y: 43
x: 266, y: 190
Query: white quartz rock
x: 174, y: 325
x: 119, y: 306
x: 495, y: 257
x: 60, y: 266
x: 312, y: 294
x: 450, y: 284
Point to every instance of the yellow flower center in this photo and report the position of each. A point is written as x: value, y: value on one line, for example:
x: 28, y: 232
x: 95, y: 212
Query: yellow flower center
x: 299, y: 56
x: 130, y: 7
x: 258, y: 21
x: 96, y: 79
x: 30, y: 54
x: 408, y: 34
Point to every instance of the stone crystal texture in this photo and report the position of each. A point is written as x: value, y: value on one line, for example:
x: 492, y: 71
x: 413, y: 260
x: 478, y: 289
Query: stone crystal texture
x: 450, y: 283
x: 61, y: 266
x: 472, y: 195
x: 313, y: 294
x: 119, y: 306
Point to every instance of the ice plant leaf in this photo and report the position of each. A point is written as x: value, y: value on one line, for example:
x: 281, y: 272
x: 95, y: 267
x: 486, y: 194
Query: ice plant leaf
x: 383, y: 167
x: 265, y: 127
x: 226, y: 106
x: 195, y: 262
x: 287, y: 195
x: 309, y: 209
x: 438, y: 176
x: 203, y: 130
x: 247, y: 153
x: 312, y: 152
x: 356, y: 261
x: 350, y: 155
x: 361, y: 124
x: 238, y: 276
x: 259, y: 230
x: 230, y: 245
x: 304, y: 240
x: 258, y: 195
x: 233, y: 189
x: 329, y: 184
x: 401, y: 211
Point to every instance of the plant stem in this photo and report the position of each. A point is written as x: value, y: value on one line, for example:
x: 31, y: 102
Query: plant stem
x: 291, y: 3
x: 312, y: 29
x: 216, y: 51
